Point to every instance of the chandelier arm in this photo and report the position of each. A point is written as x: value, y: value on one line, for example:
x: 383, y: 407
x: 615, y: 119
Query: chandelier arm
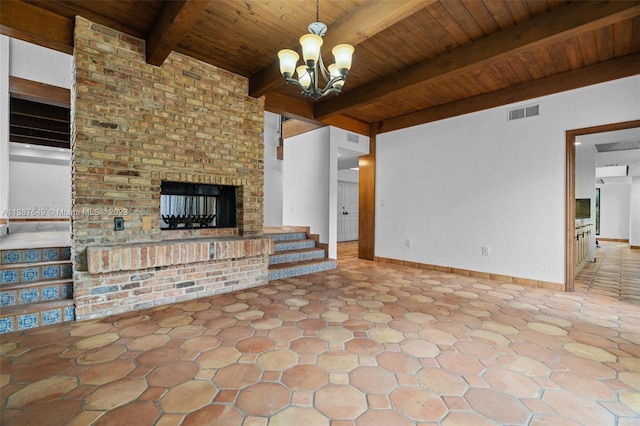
x: 331, y: 87
x: 323, y: 70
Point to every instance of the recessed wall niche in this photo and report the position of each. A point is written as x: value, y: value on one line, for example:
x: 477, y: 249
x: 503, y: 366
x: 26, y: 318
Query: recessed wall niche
x: 192, y: 205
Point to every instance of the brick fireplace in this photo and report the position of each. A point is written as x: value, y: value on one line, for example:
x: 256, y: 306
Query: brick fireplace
x: 134, y: 127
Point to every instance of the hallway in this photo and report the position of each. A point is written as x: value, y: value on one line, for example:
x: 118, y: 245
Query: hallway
x: 368, y: 344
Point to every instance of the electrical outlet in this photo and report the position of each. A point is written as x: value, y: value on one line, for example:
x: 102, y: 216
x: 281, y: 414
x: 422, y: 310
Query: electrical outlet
x: 485, y: 251
x: 118, y: 223
x: 407, y: 243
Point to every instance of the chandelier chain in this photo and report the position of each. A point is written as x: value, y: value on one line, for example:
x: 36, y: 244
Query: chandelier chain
x: 317, y: 10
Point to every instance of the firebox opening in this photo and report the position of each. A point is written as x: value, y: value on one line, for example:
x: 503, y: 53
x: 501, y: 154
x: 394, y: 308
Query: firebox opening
x: 190, y: 205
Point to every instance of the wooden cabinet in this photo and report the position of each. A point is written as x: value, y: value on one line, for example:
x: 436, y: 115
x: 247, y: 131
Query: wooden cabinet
x: 582, y: 243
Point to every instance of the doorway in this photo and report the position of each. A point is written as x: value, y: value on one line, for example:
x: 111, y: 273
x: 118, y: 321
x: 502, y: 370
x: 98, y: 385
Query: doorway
x: 570, y: 182
x: 347, y: 211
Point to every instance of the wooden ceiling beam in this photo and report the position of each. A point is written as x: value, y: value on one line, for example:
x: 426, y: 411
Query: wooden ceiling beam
x: 296, y: 107
x: 27, y: 22
x: 562, y: 23
x: 289, y: 106
x: 39, y: 92
x: 176, y: 19
x: 599, y: 73
x: 369, y: 19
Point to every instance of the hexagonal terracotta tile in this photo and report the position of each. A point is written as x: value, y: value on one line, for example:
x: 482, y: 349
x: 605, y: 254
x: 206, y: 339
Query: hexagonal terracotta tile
x: 237, y: 376
x: 263, y: 399
x: 305, y: 378
x: 188, y: 396
x: 278, y: 359
x: 418, y: 404
x: 218, y: 358
x: 255, y: 344
x: 373, y: 380
x: 340, y: 402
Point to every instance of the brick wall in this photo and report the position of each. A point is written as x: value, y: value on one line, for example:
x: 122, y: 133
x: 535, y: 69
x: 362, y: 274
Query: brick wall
x: 133, y: 126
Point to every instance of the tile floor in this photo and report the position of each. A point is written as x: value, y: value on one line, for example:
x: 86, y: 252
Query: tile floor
x: 366, y: 344
x: 36, y: 234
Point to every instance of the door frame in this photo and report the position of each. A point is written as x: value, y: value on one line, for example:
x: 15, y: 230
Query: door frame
x: 570, y: 190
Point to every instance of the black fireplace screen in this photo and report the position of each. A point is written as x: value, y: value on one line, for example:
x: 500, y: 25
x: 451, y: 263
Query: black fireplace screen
x: 188, y: 205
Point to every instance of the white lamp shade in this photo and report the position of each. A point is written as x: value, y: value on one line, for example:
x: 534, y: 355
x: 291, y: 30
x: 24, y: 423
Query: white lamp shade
x: 335, y: 72
x: 288, y: 60
x: 303, y: 76
x: 311, y: 44
x: 343, y: 54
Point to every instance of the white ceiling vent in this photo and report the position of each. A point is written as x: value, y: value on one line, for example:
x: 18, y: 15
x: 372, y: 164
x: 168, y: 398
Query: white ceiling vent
x: 524, y: 112
x: 352, y: 137
x: 618, y: 146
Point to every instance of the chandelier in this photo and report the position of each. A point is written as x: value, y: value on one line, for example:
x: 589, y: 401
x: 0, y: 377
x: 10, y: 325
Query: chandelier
x: 308, y: 79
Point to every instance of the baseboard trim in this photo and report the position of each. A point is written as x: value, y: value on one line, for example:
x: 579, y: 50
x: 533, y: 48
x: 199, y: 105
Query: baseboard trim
x: 476, y: 274
x: 613, y: 240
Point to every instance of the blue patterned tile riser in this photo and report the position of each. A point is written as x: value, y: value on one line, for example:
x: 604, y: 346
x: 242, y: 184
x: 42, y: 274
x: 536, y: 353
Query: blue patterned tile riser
x: 70, y: 313
x: 50, y: 272
x: 288, y: 236
x: 67, y: 271
x: 7, y: 298
x: 11, y: 256
x: 51, y: 317
x: 50, y: 293
x: 35, y: 319
x: 9, y: 276
x: 6, y: 325
x: 301, y: 270
x: 30, y: 274
x: 27, y: 321
x: 295, y: 257
x: 41, y: 293
x: 67, y: 291
x: 295, y: 245
x: 29, y: 295
x: 35, y: 255
x: 50, y: 254
x: 31, y: 256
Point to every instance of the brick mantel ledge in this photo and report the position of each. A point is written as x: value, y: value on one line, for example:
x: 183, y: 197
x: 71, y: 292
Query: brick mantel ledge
x: 138, y: 256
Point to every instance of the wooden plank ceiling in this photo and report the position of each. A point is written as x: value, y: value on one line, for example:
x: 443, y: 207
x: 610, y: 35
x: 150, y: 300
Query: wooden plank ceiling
x: 415, y: 61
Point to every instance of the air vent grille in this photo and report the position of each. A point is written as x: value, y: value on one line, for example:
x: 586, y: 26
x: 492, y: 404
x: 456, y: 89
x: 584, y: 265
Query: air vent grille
x: 352, y: 137
x: 524, y: 112
x: 618, y: 146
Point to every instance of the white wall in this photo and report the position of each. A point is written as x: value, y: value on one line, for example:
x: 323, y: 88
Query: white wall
x: 306, y: 184
x: 37, y: 63
x: 634, y: 222
x: 456, y: 185
x: 4, y: 130
x: 44, y: 187
x: 348, y: 176
x: 272, y: 171
x: 40, y: 178
x: 615, y: 207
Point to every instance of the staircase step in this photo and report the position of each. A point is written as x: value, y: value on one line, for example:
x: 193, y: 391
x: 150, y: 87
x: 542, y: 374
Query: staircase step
x: 29, y: 255
x: 32, y: 315
x: 33, y: 292
x: 296, y: 255
x: 293, y: 269
x: 14, y: 273
x: 294, y: 245
x: 287, y: 236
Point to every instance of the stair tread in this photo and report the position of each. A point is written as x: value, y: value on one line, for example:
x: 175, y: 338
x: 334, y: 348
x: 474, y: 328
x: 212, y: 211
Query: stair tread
x: 299, y: 263
x: 305, y: 250
x: 6, y: 311
x: 34, y: 264
x: 29, y: 284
